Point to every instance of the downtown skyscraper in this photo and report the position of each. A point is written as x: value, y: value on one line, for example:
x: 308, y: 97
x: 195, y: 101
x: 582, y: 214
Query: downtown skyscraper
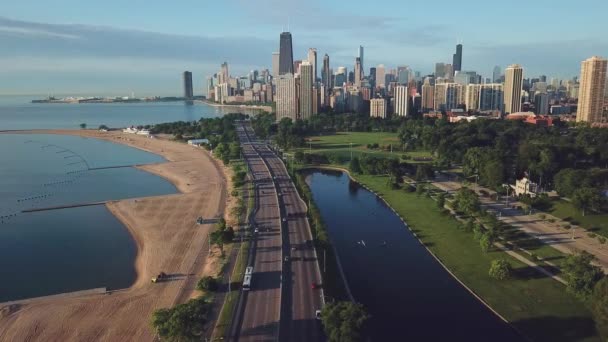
x: 306, y: 90
x: 514, y: 77
x: 285, y: 54
x: 457, y: 58
x: 361, y: 53
x: 188, y: 90
x: 312, y: 59
x: 591, y: 91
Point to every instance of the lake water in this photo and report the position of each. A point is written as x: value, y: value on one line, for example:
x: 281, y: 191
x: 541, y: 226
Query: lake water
x: 66, y: 250
x: 408, y: 293
x: 17, y: 112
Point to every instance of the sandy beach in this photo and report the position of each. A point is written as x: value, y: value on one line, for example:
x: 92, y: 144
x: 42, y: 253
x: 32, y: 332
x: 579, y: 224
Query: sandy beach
x: 167, y: 238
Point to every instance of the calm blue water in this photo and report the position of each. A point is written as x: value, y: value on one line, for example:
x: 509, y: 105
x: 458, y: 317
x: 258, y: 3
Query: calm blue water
x: 70, y: 249
x: 410, y: 296
x: 17, y: 112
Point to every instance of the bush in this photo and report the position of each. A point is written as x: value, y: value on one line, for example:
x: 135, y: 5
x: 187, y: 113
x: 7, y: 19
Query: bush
x: 185, y: 322
x: 601, y: 239
x: 207, y: 284
x: 591, y: 235
x: 500, y: 269
x: 234, y: 193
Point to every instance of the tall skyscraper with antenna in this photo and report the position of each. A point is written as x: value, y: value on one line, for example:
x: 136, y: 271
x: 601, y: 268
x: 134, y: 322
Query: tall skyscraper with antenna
x: 457, y: 60
x: 285, y: 54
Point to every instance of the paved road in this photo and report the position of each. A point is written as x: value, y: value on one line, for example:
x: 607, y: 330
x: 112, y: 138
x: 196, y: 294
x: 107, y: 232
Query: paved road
x: 300, y: 300
x: 259, y: 319
x: 549, y: 233
x: 273, y: 310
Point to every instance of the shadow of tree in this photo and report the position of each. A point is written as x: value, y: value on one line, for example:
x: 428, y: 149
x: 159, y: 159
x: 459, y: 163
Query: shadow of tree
x: 557, y: 329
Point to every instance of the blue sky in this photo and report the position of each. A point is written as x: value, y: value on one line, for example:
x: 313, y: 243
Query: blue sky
x: 114, y: 47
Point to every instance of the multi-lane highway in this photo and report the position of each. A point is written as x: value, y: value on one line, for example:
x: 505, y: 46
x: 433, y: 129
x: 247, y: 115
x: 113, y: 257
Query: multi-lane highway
x: 258, y: 319
x: 286, y: 283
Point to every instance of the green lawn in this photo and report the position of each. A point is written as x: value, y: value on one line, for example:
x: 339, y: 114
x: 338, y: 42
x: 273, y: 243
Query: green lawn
x: 597, y: 223
x: 535, y: 304
x: 339, y: 144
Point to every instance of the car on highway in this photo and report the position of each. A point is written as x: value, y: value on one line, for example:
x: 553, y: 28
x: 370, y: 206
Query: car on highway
x: 287, y: 258
x: 314, y: 286
x: 318, y: 314
x: 284, y: 219
x: 257, y: 230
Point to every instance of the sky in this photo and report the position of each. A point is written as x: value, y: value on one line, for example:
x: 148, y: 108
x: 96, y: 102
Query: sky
x: 116, y: 47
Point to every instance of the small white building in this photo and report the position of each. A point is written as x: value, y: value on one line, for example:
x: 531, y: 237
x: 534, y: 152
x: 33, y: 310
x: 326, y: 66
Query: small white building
x: 525, y: 186
x: 198, y: 142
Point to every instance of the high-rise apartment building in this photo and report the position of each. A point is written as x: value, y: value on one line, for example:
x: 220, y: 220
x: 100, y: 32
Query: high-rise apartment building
x: 401, y: 100
x: 591, y: 90
x: 457, y: 59
x: 439, y: 70
x: 380, y: 76
x: 404, y: 74
x: 275, y: 64
x: 312, y: 59
x: 285, y: 54
x: 428, y: 95
x: 449, y: 71
x: 296, y: 66
x: 377, y: 108
x: 472, y: 96
x: 287, y: 106
x: 341, y: 77
x: 188, y: 90
x: 514, y: 76
x: 224, y: 75
x: 449, y: 96
x: 496, y: 74
x: 541, y: 103
x: 491, y: 97
x: 306, y: 85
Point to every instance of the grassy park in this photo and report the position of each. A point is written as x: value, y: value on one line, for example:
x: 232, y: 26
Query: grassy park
x: 597, y: 223
x: 339, y: 144
x: 537, y: 305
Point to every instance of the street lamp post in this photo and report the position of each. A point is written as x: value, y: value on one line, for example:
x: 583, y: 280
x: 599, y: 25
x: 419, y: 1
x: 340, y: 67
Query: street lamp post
x: 351, y: 151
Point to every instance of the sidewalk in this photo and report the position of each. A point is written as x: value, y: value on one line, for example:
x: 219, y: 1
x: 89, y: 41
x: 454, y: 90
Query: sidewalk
x: 552, y: 234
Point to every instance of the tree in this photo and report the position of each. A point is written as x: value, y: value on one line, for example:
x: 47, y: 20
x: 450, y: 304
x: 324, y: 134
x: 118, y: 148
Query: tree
x: 467, y: 201
x: 83, y: 126
x: 344, y: 321
x: 599, y: 305
x: 104, y: 127
x: 580, y: 274
x: 500, y: 269
x: 420, y: 188
x: 185, y: 322
x: 355, y: 165
x: 299, y: 157
x: 424, y: 172
x: 586, y: 198
x: 441, y: 200
x: 485, y: 242
x: 207, y: 284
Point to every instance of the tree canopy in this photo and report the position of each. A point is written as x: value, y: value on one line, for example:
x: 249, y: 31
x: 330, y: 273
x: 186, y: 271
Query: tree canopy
x: 344, y: 321
x: 581, y: 274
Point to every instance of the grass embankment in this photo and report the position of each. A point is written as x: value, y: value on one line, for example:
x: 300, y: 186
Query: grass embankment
x: 537, y: 305
x: 596, y: 223
x: 333, y: 284
x: 236, y: 278
x: 339, y: 145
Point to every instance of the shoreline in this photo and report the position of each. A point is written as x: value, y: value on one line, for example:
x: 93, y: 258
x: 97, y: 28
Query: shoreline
x: 166, y: 239
x: 267, y: 109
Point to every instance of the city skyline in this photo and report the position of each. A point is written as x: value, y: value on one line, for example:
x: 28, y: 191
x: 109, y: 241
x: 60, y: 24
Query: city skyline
x: 105, y: 52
